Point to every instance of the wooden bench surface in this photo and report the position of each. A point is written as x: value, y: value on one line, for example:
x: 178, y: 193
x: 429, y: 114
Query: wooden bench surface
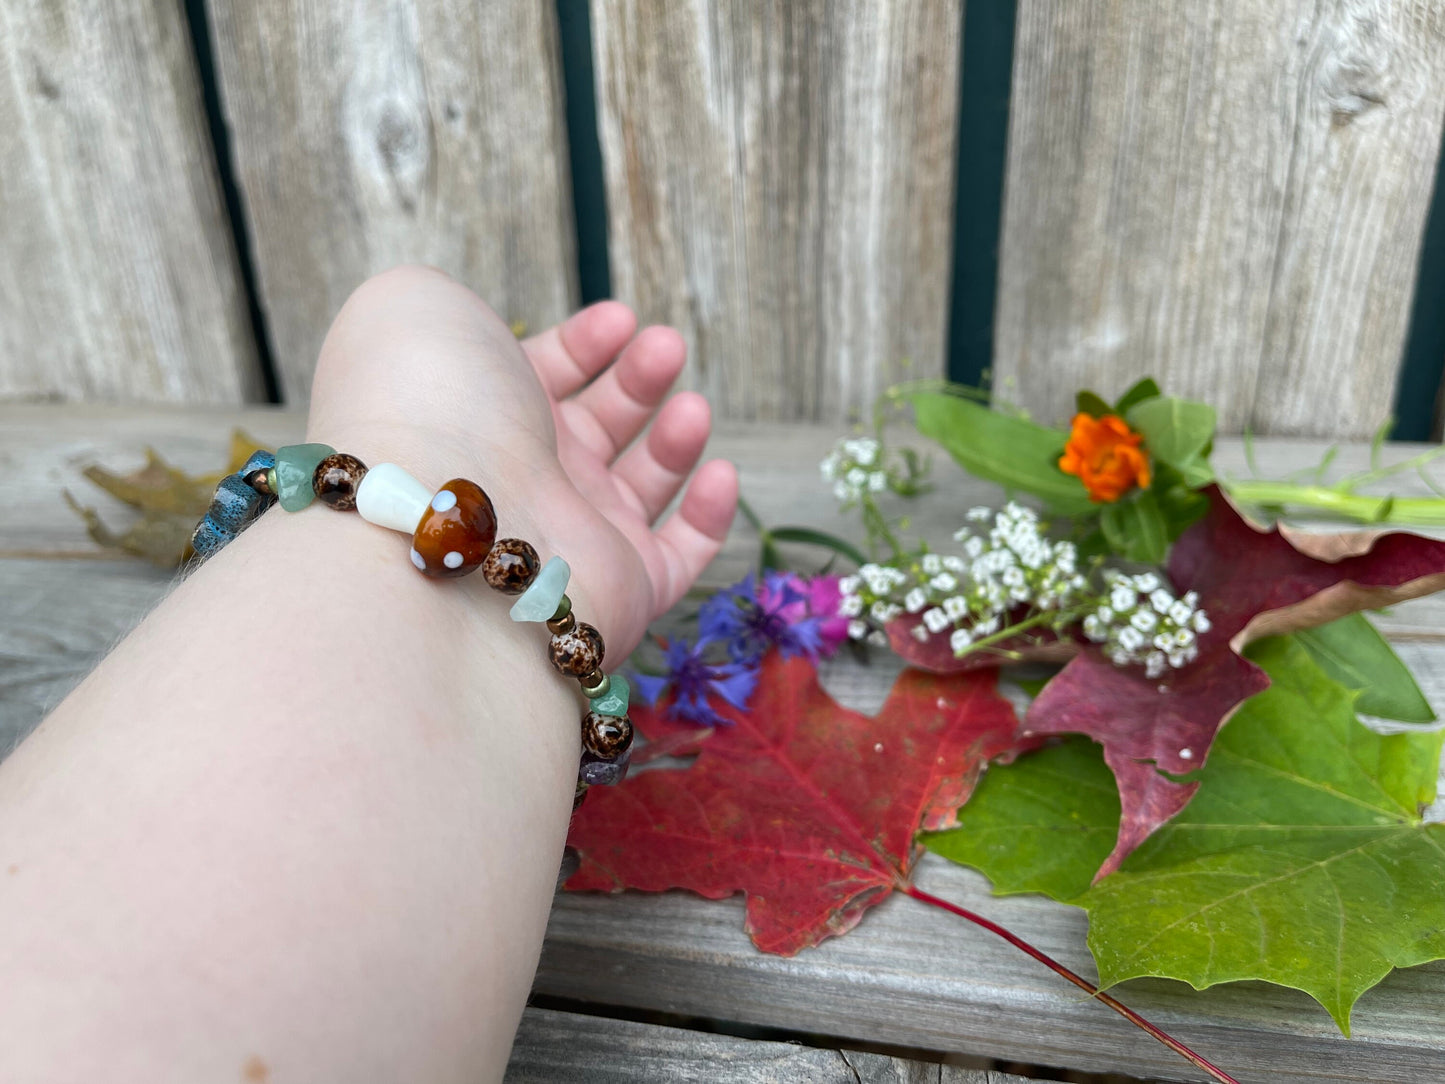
x: 908, y: 976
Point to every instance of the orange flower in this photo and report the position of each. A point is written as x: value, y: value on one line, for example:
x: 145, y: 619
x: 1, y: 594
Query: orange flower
x: 1105, y: 454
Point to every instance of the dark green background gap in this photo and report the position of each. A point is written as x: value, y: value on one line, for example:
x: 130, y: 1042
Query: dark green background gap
x: 1422, y: 368
x: 984, y: 81
x: 200, y: 30
x: 589, y: 202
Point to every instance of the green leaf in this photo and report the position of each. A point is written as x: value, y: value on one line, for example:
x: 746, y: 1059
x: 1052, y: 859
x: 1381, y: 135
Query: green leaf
x: 1138, y: 393
x: 1088, y: 403
x: 1180, y: 505
x: 1196, y: 472
x: 1015, y: 453
x: 1351, y: 651
x: 1042, y: 824
x: 810, y: 537
x: 1176, y: 431
x: 1301, y: 861
x: 1136, y: 529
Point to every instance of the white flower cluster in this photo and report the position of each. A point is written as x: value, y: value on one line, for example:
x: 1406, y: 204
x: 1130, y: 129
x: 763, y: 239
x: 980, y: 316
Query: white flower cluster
x: 1140, y: 621
x: 874, y: 591
x: 855, y: 467
x: 1010, y: 565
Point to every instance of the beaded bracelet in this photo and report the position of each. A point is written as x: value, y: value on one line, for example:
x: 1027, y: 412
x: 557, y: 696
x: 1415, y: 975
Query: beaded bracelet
x: 453, y: 532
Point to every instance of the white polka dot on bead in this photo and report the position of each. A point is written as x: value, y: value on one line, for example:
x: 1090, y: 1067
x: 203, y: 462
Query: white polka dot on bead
x: 444, y: 501
x: 418, y: 560
x: 453, y: 560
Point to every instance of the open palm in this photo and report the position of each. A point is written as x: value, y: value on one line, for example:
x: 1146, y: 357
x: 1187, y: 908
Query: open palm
x: 418, y: 370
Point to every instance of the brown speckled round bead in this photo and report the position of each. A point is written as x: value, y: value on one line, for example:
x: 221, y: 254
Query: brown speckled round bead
x: 335, y: 480
x: 606, y: 736
x: 511, y: 566
x: 578, y: 651
x: 457, y: 532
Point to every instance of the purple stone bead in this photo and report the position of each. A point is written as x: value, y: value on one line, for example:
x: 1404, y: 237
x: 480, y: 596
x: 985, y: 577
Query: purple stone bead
x: 601, y: 772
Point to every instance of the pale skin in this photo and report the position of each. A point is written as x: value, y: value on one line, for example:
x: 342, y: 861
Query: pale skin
x: 305, y: 822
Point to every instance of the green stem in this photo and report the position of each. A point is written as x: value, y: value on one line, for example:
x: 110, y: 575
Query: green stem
x: 1423, y: 511
x: 1040, y: 618
x: 1377, y: 473
x: 877, y: 527
x: 751, y: 516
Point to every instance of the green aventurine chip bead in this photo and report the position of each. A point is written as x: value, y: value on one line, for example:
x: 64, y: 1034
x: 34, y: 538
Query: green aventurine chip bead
x: 295, y: 464
x: 539, y: 601
x: 614, y: 700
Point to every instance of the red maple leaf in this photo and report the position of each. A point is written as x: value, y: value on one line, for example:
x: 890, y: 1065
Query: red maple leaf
x: 1251, y: 583
x: 807, y: 807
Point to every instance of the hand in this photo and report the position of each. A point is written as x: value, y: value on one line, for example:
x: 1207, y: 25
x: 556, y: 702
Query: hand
x: 418, y: 371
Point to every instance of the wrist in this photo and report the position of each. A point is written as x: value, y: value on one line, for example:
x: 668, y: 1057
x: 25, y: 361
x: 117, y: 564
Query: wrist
x: 456, y: 533
x: 530, y: 493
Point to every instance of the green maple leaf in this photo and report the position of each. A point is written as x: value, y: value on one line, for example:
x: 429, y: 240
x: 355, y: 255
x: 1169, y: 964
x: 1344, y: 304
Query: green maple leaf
x: 1302, y: 860
x: 1042, y: 824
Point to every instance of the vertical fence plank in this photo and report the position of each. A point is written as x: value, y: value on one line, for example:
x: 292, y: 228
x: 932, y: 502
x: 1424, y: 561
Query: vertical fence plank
x: 392, y: 131
x: 780, y: 188
x: 1229, y: 194
x: 118, y: 276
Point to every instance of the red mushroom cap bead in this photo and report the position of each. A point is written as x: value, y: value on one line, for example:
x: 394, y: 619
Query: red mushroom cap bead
x: 457, y: 531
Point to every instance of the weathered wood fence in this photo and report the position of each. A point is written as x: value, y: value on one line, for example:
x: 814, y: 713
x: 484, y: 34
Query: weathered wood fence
x: 1228, y: 194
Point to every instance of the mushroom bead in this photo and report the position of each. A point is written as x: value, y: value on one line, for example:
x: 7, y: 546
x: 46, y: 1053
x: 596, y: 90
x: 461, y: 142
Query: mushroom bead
x: 456, y: 532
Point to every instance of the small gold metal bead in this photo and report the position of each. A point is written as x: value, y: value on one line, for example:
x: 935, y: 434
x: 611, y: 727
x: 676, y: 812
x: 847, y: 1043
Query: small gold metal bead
x: 262, y: 481
x: 595, y: 684
x: 579, y: 795
x: 562, y: 620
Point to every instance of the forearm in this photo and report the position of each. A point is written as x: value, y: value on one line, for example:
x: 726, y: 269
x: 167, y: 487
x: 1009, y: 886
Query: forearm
x: 237, y: 845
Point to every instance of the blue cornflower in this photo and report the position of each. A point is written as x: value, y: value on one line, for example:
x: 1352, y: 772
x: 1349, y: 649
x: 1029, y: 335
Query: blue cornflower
x: 692, y: 680
x: 752, y: 620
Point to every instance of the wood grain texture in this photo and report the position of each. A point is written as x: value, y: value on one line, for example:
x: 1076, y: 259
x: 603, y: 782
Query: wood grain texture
x: 118, y: 276
x: 1226, y: 194
x: 59, y: 619
x: 908, y: 975
x: 916, y: 976
x: 553, y: 1046
x: 780, y: 189
x: 396, y: 131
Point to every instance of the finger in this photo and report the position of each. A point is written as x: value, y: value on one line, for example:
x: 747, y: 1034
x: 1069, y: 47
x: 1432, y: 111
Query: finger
x: 573, y: 352
x: 655, y: 468
x: 693, y: 535
x: 623, y: 398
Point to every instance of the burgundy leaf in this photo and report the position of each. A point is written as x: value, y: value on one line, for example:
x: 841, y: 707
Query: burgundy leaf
x: 1251, y: 583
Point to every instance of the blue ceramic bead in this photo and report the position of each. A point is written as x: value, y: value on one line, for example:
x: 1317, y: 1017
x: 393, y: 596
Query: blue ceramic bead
x: 209, y: 538
x: 234, y: 505
x: 233, y: 508
x: 260, y: 460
